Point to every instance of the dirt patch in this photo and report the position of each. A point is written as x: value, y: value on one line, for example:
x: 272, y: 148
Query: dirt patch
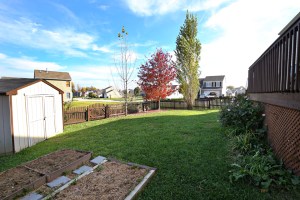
x: 112, y: 180
x: 16, y: 179
x: 54, y: 161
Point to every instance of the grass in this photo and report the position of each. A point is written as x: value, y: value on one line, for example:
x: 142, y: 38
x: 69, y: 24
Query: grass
x: 188, y: 148
x: 87, y: 103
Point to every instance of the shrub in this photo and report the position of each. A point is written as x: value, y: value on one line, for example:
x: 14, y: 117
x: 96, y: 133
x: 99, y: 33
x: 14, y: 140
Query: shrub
x: 255, y: 160
x: 263, y: 170
x: 242, y: 115
x: 92, y: 95
x: 134, y: 108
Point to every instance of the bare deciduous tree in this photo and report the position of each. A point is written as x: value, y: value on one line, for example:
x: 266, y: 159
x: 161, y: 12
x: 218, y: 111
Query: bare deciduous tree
x: 124, y: 65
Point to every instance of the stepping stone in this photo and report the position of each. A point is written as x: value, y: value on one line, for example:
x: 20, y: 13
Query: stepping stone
x: 82, y: 169
x: 32, y: 196
x: 59, y: 181
x: 98, y: 160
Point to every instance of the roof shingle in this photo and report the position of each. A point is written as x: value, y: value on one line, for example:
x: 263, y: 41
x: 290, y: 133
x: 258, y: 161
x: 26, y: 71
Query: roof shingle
x: 214, y: 78
x: 51, y: 75
x: 7, y: 85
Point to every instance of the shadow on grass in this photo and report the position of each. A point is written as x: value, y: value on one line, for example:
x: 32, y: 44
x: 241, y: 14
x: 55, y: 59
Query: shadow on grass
x: 187, y: 147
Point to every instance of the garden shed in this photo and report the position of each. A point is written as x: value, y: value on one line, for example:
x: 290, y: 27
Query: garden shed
x: 31, y: 111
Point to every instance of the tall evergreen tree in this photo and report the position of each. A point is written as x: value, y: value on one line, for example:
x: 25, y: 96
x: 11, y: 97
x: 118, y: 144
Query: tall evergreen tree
x: 188, y: 49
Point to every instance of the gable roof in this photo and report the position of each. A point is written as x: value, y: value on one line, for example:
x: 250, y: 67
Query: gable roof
x: 10, y: 86
x: 214, y: 78
x: 51, y: 75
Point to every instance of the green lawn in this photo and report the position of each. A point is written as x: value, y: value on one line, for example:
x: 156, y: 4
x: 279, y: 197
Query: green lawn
x: 188, y: 148
x: 87, y: 103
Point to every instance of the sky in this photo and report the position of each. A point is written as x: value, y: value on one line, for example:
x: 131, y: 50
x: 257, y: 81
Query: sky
x: 80, y: 36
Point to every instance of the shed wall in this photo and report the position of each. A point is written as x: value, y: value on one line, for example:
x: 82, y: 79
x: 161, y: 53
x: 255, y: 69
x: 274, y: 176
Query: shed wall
x: 20, y: 113
x: 6, y: 145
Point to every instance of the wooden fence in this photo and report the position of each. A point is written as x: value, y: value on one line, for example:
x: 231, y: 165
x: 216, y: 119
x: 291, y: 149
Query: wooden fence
x: 100, y: 111
x: 199, y: 104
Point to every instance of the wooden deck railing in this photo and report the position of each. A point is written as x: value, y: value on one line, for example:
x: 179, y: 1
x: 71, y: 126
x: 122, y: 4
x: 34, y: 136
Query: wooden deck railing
x: 277, y: 70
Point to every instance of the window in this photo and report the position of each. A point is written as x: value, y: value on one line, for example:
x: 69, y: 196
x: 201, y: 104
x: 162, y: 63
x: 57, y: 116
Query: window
x: 221, y: 84
x: 68, y: 84
x: 68, y: 95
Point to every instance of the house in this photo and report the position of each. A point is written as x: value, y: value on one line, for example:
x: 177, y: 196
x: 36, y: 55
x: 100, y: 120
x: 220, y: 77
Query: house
x: 31, y: 111
x: 175, y: 94
x: 230, y: 93
x: 62, y: 80
x: 111, y: 92
x: 213, y: 85
x: 240, y: 90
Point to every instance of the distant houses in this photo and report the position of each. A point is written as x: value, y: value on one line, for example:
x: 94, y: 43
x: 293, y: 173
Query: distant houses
x: 111, y: 92
x: 176, y: 94
x: 235, y: 91
x: 62, y: 80
x: 212, y: 86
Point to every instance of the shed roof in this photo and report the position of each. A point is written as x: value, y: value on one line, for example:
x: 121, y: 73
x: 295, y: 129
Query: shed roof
x: 51, y: 75
x: 214, y: 78
x: 10, y: 86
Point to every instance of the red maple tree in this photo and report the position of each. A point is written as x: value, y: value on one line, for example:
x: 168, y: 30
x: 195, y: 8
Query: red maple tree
x: 155, y: 76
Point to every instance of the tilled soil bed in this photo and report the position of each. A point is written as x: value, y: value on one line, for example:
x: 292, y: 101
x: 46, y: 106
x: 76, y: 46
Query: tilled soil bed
x: 112, y: 180
x: 14, y: 180
x: 54, y: 161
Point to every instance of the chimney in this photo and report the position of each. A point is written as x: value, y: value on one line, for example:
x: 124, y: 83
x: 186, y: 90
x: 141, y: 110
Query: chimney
x: 46, y: 70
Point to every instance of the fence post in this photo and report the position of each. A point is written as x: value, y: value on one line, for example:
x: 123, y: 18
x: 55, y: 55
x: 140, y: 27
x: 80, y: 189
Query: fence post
x: 107, y: 111
x: 88, y: 114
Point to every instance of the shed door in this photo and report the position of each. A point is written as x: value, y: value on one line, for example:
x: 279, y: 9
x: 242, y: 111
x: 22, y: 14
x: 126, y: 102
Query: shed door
x: 35, y: 112
x: 49, y: 116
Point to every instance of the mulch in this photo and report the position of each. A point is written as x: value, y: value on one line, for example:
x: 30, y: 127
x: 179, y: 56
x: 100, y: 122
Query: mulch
x: 15, y: 179
x: 112, y: 180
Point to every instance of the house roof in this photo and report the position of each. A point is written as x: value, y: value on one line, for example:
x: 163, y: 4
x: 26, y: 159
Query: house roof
x: 214, y: 78
x: 51, y: 75
x: 10, y: 86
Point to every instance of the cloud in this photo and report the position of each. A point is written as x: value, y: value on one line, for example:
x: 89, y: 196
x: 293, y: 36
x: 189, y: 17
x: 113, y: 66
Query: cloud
x: 103, y: 49
x: 98, y: 76
x: 27, y: 33
x: 66, y: 11
x: 158, y: 7
x: 14, y: 65
x: 103, y: 7
x: 131, y: 56
x: 246, y: 29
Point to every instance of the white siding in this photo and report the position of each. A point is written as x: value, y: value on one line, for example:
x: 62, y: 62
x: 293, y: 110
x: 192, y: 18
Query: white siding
x: 5, y: 132
x: 22, y: 137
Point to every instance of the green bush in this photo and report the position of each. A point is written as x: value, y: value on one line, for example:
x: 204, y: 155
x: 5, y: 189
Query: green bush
x: 242, y: 115
x: 263, y: 170
x: 92, y: 95
x: 255, y: 160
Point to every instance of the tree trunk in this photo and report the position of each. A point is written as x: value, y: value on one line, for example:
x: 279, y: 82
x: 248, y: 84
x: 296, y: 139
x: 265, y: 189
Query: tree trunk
x: 159, y: 104
x: 126, y: 100
x: 190, y: 104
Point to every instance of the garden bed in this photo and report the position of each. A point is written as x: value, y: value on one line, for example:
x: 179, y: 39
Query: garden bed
x: 112, y: 180
x: 55, y: 164
x: 18, y: 180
